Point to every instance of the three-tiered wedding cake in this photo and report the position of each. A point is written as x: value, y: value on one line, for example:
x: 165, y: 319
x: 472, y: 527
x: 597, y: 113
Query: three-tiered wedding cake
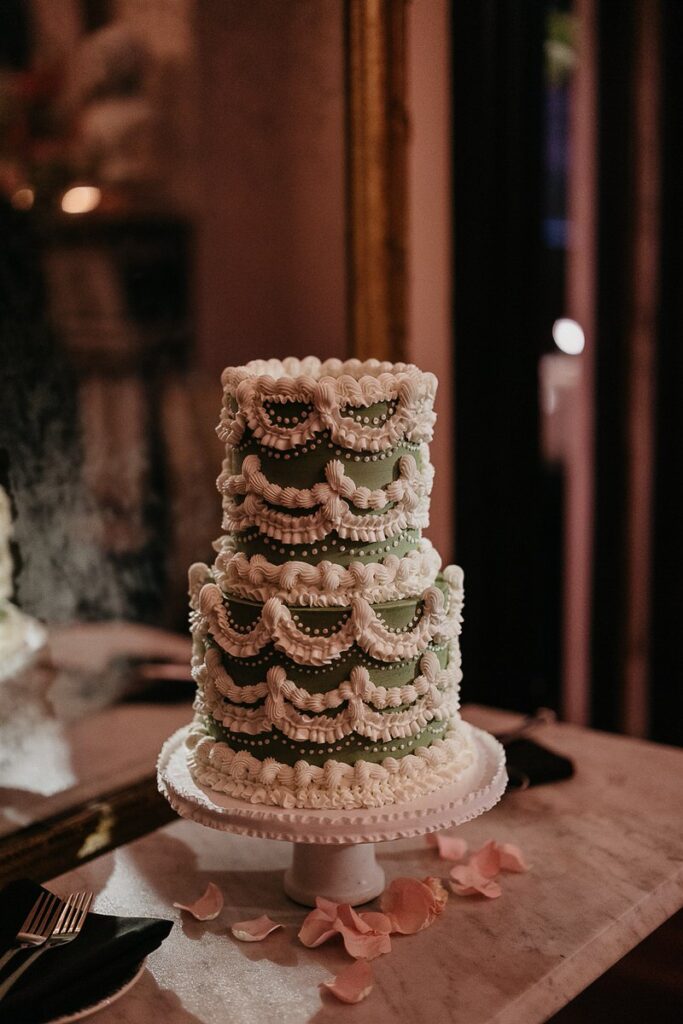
x: 326, y: 648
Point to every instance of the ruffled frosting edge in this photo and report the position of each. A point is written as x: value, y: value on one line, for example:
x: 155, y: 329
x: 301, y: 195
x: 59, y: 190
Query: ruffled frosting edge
x: 311, y: 367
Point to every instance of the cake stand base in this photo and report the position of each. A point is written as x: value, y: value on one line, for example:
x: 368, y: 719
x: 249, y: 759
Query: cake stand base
x: 334, y: 855
x: 345, y: 874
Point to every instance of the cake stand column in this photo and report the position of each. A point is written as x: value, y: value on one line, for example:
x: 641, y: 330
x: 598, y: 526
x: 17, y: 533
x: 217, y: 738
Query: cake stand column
x: 344, y: 873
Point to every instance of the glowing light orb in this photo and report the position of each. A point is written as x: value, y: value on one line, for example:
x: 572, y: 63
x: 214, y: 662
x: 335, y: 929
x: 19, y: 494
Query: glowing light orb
x: 569, y: 336
x: 23, y: 198
x: 81, y: 199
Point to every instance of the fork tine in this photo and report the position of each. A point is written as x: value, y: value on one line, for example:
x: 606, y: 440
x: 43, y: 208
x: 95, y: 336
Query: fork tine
x: 74, y: 906
x: 85, y: 907
x: 64, y: 910
x: 65, y: 917
x: 76, y: 911
x: 35, y: 909
x: 50, y: 924
x: 39, y: 923
x: 68, y: 909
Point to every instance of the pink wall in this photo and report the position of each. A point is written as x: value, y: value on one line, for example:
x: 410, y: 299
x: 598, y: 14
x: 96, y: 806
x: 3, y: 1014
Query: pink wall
x: 270, y: 257
x: 270, y: 278
x: 430, y: 342
x: 581, y: 306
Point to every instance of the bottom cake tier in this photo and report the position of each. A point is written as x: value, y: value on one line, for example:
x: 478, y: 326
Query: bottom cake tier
x: 340, y: 707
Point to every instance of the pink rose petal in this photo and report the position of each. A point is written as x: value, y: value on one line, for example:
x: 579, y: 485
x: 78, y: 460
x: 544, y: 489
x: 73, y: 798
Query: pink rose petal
x: 468, y: 881
x: 318, y: 927
x: 350, y: 918
x: 352, y: 984
x: 365, y: 935
x: 487, y: 859
x: 361, y: 941
x: 512, y: 858
x: 254, y: 930
x: 328, y: 907
x: 439, y: 893
x: 378, y: 922
x: 449, y: 847
x: 207, y: 907
x: 412, y: 904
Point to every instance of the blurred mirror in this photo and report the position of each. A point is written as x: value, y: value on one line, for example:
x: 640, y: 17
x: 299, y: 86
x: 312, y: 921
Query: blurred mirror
x: 171, y: 202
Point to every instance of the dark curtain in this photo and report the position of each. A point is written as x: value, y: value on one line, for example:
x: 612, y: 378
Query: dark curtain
x: 501, y: 529
x: 666, y: 691
x: 615, y: 239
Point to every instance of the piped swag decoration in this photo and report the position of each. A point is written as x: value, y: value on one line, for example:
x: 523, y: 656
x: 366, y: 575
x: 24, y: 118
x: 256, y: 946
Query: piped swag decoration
x: 363, y: 626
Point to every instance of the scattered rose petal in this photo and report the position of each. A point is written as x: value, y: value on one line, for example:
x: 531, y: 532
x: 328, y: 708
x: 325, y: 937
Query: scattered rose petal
x: 207, y: 907
x: 495, y: 857
x: 439, y: 893
x: 328, y: 907
x: 412, y: 904
x: 449, y: 847
x: 361, y: 940
x: 365, y: 935
x: 486, y: 861
x: 377, y: 921
x: 318, y: 927
x: 254, y: 930
x: 352, y: 984
x: 512, y: 858
x: 468, y: 881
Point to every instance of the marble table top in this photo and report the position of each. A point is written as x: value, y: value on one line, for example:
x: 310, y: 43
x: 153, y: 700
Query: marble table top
x: 607, y: 855
x: 59, y: 766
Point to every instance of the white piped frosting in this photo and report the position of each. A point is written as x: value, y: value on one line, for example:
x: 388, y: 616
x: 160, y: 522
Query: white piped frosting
x: 335, y: 785
x: 325, y: 584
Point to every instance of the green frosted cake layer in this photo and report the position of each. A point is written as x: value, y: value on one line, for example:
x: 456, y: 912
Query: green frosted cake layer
x: 335, y: 549
x: 396, y: 614
x: 306, y: 466
x: 353, y: 748
x: 321, y: 678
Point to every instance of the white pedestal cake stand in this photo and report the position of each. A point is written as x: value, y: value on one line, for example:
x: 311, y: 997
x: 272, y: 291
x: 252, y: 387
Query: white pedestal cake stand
x: 334, y: 854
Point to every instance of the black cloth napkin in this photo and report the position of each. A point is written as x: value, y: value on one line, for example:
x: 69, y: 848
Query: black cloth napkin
x: 91, y: 967
x: 530, y: 764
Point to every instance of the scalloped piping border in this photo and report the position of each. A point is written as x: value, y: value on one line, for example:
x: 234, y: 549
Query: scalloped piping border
x: 362, y: 626
x: 432, y: 695
x: 251, y: 386
x: 411, y: 512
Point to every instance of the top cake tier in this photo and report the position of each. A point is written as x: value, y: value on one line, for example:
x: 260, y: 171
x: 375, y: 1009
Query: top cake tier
x: 326, y: 462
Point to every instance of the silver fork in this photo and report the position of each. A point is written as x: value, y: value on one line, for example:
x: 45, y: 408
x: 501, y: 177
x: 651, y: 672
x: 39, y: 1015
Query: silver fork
x: 68, y: 927
x: 38, y: 926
